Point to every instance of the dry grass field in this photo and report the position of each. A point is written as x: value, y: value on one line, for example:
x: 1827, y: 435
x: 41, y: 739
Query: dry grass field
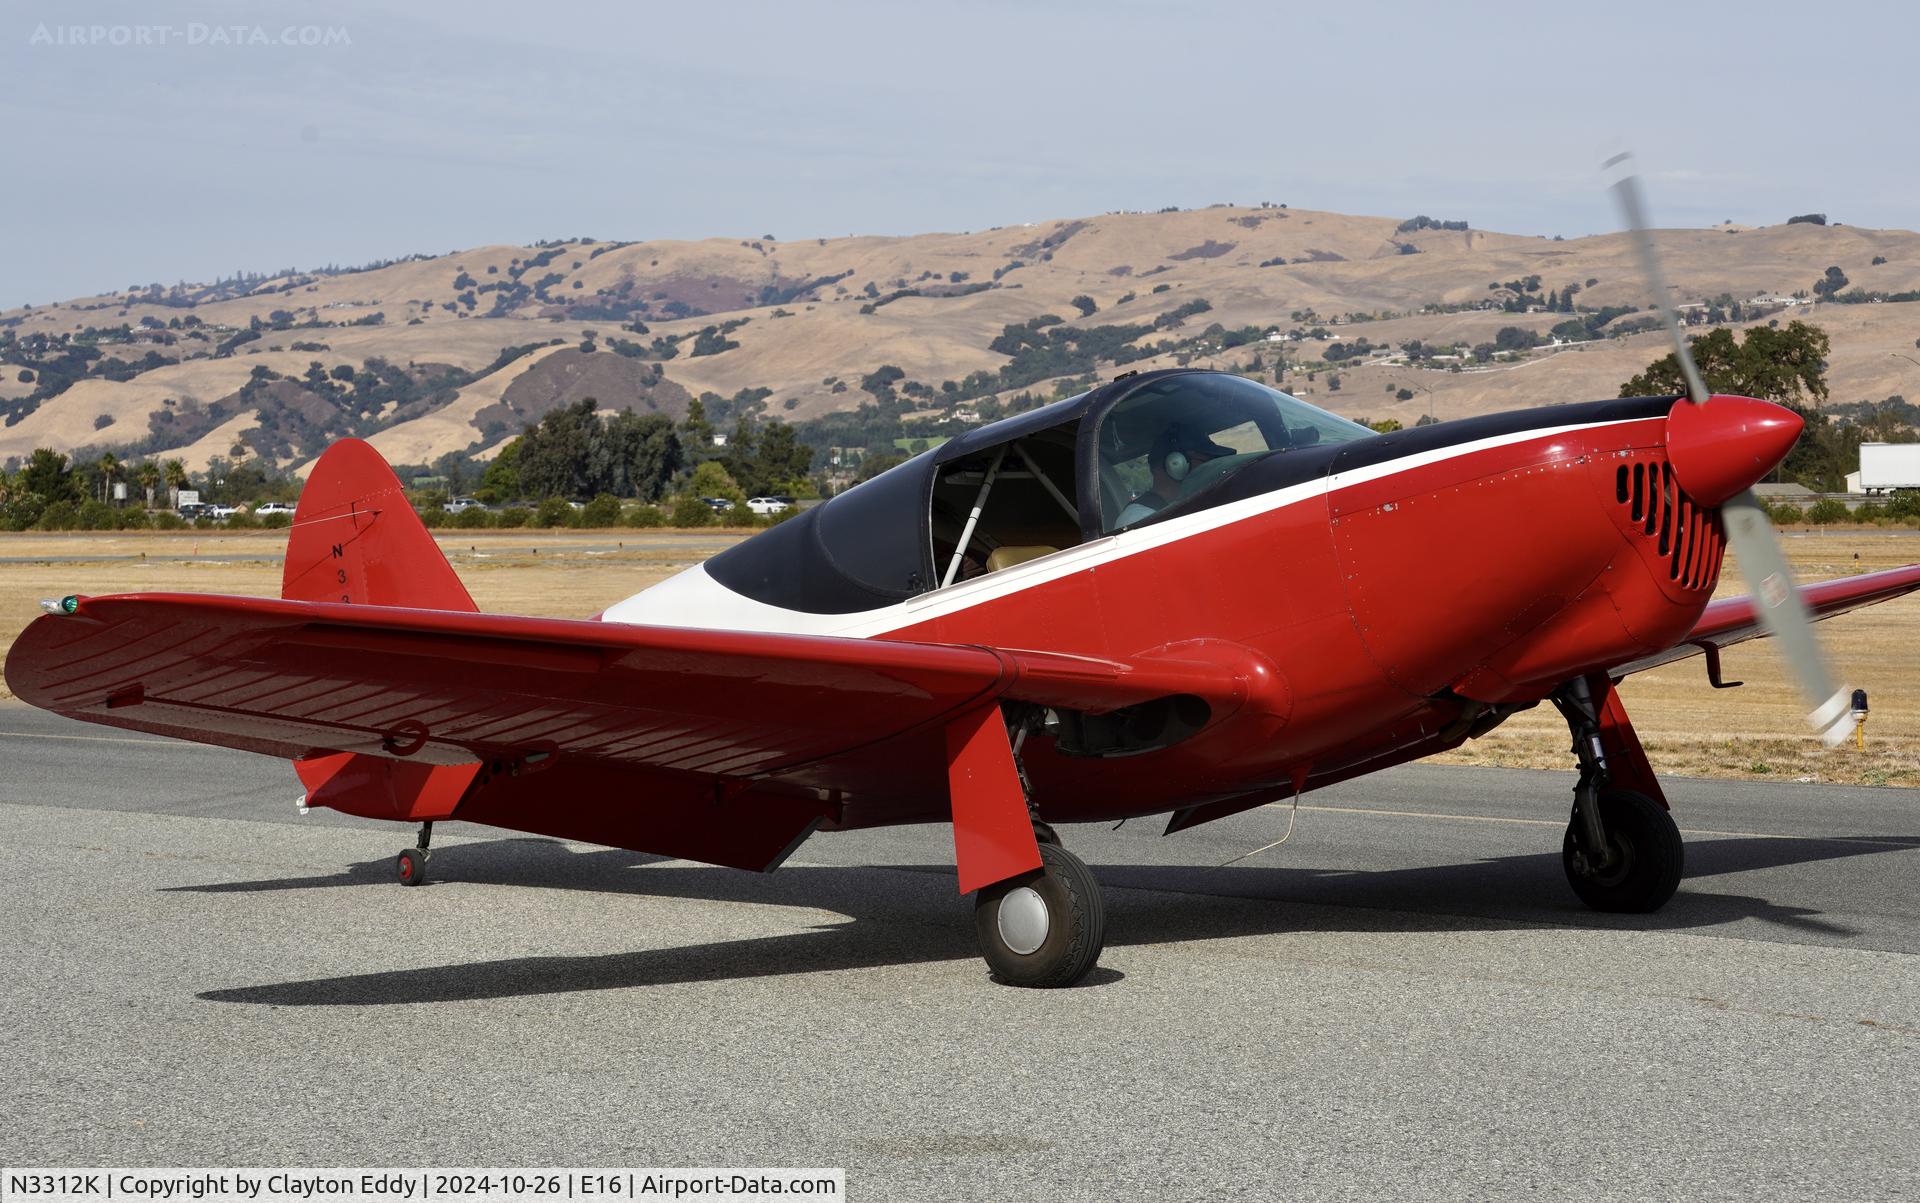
x: 1755, y: 731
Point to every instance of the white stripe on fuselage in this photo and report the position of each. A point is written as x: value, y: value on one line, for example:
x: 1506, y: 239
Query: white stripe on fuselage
x: 694, y: 599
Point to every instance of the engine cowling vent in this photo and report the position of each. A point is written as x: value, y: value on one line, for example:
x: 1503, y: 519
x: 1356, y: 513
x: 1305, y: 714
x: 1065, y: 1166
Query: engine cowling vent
x: 1686, y: 536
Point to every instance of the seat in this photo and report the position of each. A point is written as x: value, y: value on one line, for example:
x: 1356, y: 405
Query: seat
x: 1007, y: 555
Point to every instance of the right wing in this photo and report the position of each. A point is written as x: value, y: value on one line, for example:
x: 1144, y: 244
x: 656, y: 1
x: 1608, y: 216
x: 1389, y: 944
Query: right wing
x: 295, y: 678
x: 724, y: 746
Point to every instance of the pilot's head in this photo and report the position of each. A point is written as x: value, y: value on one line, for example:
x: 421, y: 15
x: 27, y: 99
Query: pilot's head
x: 1178, y: 451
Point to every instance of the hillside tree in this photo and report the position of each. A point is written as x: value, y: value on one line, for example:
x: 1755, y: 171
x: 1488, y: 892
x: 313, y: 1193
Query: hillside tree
x: 1787, y: 364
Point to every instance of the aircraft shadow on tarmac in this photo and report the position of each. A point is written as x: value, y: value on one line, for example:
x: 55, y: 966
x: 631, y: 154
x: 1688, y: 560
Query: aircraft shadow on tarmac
x: 909, y: 914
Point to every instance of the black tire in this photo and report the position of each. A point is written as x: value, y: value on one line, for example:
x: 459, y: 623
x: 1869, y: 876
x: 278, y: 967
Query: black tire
x: 1649, y: 855
x: 1076, y: 923
x: 410, y: 867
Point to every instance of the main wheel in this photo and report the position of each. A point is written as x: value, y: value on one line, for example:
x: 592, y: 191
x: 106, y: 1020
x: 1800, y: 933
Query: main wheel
x: 410, y: 867
x: 1648, y: 856
x: 1044, y: 929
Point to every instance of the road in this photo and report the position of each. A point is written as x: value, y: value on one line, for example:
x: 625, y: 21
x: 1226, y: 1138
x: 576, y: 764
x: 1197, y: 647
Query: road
x: 1403, y: 1000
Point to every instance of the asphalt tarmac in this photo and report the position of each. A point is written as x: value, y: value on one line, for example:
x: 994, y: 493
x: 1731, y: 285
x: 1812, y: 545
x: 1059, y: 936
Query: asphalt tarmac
x: 1404, y: 1000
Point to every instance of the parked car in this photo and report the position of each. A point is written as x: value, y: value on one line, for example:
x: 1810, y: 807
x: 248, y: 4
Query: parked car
x: 195, y: 509
x: 764, y: 506
x: 718, y: 505
x: 220, y: 512
x: 272, y: 507
x: 461, y: 505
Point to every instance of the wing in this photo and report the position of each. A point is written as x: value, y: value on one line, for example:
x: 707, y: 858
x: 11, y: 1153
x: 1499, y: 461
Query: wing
x: 618, y: 734
x: 1735, y: 619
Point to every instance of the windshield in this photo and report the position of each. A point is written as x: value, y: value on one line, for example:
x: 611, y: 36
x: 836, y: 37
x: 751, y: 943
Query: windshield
x: 1183, y: 434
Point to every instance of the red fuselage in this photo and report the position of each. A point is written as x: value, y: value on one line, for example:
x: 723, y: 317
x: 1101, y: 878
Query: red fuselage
x: 1406, y: 597
x: 1492, y: 575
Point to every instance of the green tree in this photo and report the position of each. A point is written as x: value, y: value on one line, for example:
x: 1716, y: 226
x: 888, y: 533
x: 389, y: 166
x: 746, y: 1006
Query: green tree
x: 689, y: 510
x: 742, y: 457
x: 1786, y: 364
x: 147, y: 476
x: 603, y: 511
x: 109, y: 465
x: 501, y: 480
x: 784, y: 460
x: 1829, y: 285
x: 556, y: 454
x: 47, y: 476
x: 1829, y: 510
x: 646, y: 454
x: 711, y: 479
x: 696, y: 433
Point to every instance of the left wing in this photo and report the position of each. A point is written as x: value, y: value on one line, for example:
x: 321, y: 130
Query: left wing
x: 1736, y: 619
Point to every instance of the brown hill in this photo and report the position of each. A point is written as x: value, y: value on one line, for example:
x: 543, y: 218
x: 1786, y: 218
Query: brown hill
x: 453, y: 353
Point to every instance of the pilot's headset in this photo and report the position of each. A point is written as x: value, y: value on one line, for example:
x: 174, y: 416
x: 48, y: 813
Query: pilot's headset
x: 1173, y: 461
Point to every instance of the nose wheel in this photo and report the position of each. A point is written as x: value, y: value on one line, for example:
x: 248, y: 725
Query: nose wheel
x: 1045, y: 928
x: 1645, y: 855
x: 1622, y: 851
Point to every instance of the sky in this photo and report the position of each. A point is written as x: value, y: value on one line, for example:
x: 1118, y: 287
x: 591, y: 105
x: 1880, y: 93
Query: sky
x: 153, y: 142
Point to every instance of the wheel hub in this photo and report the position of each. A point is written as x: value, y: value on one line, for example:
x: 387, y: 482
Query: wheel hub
x: 1023, y: 920
x: 1617, y: 869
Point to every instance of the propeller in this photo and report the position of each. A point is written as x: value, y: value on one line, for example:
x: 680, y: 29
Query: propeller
x: 1750, y: 532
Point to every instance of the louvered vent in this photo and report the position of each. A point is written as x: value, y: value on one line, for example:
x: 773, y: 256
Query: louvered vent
x: 1686, y: 535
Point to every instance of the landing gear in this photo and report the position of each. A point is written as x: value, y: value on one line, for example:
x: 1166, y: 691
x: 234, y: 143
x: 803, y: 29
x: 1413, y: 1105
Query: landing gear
x: 1622, y: 852
x: 1644, y: 858
x: 1046, y: 928
x: 411, y: 865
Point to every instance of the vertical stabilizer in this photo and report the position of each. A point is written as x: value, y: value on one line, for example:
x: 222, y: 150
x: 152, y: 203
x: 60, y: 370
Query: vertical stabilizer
x: 355, y: 538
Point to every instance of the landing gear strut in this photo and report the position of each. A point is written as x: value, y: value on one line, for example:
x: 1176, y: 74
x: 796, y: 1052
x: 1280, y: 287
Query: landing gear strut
x: 1622, y: 850
x: 411, y: 865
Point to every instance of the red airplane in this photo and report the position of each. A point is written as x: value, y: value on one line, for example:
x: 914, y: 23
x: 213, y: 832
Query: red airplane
x: 1182, y: 592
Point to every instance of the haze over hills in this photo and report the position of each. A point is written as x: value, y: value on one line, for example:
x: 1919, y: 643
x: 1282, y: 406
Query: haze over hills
x: 455, y: 353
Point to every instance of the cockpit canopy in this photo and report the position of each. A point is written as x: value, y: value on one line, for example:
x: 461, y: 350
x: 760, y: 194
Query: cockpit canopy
x: 1177, y: 436
x: 1122, y: 456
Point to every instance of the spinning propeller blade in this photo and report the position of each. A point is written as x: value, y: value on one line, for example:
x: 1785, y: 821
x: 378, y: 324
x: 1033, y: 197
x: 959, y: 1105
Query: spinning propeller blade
x: 1750, y: 532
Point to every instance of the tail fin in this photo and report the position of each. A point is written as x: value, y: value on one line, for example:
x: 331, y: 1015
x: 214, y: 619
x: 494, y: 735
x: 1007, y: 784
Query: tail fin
x: 355, y: 538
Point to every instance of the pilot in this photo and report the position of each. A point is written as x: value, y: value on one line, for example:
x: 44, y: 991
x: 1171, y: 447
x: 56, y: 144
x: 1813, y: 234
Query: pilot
x: 1175, y: 454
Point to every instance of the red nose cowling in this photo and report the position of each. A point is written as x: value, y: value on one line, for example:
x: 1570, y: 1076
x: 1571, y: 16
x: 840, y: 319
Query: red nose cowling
x: 1727, y: 444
